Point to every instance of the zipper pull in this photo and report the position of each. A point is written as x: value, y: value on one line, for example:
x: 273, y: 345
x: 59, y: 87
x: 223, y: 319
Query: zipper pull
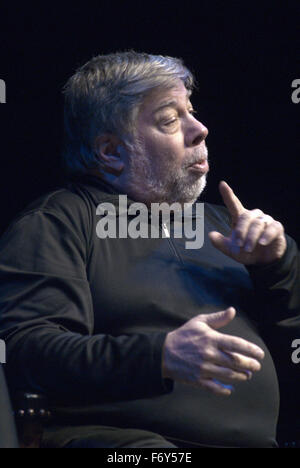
x: 165, y: 230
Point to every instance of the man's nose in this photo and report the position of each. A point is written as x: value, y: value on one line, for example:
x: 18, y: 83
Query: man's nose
x: 197, y: 133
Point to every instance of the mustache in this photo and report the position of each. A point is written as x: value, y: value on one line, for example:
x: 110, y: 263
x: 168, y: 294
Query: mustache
x: 198, y: 155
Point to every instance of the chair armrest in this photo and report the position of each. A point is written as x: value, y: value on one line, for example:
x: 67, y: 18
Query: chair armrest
x: 32, y: 413
x: 31, y: 407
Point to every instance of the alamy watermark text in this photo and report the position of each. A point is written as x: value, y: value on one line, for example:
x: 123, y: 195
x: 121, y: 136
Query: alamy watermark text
x: 296, y: 354
x: 296, y: 92
x: 2, y: 352
x: 138, y: 221
x: 2, y: 92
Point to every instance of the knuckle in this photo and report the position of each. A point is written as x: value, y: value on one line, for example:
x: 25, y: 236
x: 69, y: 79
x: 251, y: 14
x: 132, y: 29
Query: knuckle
x: 201, y: 326
x: 200, y: 318
x: 272, y: 226
x: 257, y: 212
x: 244, y: 216
x: 229, y: 374
x: 208, y: 354
x: 236, y: 360
x: 202, y: 369
x: 278, y: 225
x: 257, y: 222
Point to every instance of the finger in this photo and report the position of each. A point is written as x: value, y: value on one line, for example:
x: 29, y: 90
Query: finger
x: 218, y: 319
x: 243, y: 223
x: 256, y: 228
x: 271, y: 232
x: 239, y: 345
x: 232, y: 202
x: 216, y: 387
x: 226, y: 245
x: 237, y: 362
x: 220, y: 242
x: 223, y: 374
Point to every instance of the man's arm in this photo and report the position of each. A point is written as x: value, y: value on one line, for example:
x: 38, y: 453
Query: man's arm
x: 271, y: 257
x: 277, y: 285
x: 47, y: 321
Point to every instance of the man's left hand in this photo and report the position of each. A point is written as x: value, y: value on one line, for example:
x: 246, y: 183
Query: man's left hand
x: 256, y: 238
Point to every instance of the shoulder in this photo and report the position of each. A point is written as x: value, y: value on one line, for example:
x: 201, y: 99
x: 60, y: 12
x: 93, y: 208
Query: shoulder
x: 63, y: 206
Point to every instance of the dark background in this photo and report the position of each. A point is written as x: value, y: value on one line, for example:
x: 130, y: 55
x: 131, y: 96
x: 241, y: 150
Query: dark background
x: 245, y: 56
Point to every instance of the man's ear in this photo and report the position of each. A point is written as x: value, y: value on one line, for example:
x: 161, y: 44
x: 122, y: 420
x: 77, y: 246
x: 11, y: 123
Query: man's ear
x: 106, y: 149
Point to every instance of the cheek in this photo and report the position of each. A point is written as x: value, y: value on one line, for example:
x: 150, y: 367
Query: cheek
x: 166, y: 147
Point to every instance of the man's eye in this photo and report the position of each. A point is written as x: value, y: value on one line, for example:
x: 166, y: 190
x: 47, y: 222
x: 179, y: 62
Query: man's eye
x: 170, y: 122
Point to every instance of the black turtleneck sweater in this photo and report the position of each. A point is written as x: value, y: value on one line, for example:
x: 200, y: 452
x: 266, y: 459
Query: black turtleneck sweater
x: 85, y: 319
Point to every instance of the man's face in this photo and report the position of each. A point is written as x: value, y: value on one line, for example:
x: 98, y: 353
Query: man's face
x: 168, y: 162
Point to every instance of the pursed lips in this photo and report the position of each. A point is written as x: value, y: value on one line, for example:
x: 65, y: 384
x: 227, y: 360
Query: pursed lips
x: 200, y: 165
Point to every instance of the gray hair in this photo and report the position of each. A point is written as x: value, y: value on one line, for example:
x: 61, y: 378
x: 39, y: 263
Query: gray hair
x: 104, y: 96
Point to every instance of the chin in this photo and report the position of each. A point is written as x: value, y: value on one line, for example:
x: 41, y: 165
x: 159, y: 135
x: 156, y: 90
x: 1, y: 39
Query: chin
x: 195, y: 190
x: 202, y: 184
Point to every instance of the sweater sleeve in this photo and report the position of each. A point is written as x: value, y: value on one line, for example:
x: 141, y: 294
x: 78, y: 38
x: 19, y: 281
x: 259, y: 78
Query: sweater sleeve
x: 277, y: 285
x: 47, y: 317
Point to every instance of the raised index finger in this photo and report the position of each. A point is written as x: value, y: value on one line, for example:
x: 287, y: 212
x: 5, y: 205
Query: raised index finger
x: 232, y: 202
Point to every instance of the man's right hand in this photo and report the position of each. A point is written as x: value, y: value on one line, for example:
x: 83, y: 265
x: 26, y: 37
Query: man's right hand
x: 198, y: 355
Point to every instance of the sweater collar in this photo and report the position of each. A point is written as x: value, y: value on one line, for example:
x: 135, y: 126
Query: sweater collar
x: 102, y: 192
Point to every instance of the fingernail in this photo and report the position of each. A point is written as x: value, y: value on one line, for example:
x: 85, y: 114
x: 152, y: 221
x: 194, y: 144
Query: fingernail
x: 248, y: 247
x: 262, y: 354
x: 228, y: 387
x: 225, y: 386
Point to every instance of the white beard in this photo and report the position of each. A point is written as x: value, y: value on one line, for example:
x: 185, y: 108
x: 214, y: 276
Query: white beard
x: 163, y: 184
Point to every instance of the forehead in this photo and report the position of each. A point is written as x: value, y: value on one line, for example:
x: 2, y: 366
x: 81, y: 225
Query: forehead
x: 161, y: 97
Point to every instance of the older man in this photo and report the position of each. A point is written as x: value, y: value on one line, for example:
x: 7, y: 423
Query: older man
x: 141, y: 342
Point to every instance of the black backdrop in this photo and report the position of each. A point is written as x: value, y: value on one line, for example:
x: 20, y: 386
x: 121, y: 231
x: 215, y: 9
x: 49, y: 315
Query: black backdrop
x: 245, y: 56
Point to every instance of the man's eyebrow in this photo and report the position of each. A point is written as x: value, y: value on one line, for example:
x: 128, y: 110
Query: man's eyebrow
x: 170, y: 103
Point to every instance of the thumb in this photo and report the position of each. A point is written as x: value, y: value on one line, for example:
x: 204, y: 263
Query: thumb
x: 219, y: 319
x: 220, y: 242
